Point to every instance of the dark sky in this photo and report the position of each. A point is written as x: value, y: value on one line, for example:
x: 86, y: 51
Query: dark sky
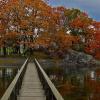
x: 92, y: 7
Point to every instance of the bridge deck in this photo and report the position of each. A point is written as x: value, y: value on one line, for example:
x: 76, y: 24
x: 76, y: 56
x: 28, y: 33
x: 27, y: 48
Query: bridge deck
x: 31, y: 86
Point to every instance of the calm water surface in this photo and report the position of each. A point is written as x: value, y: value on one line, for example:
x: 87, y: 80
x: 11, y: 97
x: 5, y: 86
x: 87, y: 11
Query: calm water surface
x: 72, y: 82
x: 6, y: 77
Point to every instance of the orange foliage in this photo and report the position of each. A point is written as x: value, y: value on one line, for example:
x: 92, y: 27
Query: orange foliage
x: 11, y: 35
x: 94, y: 86
x: 65, y: 41
x: 93, y: 44
x: 80, y: 22
x: 65, y: 89
x: 43, y: 40
x: 26, y: 15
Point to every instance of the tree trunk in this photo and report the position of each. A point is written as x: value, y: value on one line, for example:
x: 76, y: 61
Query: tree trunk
x: 21, y: 48
x: 4, y: 51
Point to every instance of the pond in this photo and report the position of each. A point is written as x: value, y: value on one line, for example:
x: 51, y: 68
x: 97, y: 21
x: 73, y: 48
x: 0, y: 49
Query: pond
x: 74, y: 83
x: 6, y: 76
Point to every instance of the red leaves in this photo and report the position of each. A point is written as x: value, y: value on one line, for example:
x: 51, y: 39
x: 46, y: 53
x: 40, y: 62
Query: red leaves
x: 81, y: 22
x: 94, y: 41
x: 96, y: 25
x: 64, y: 41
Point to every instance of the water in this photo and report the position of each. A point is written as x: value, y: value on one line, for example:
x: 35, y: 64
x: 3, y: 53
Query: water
x: 6, y: 77
x: 72, y: 82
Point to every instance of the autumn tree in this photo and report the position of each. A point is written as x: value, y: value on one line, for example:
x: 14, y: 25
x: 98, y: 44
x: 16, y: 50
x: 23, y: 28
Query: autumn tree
x: 61, y: 42
x: 22, y: 17
x: 26, y: 21
x: 93, y: 43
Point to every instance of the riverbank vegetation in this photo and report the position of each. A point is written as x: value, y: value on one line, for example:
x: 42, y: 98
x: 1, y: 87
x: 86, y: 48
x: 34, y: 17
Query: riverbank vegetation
x: 28, y: 25
x: 34, y: 28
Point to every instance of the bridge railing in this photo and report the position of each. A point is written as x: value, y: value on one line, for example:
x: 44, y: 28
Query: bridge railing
x: 50, y: 90
x: 13, y: 89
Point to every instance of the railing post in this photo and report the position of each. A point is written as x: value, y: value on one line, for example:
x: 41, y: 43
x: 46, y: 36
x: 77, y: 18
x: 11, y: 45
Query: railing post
x: 13, y: 89
x: 17, y: 88
x: 50, y: 90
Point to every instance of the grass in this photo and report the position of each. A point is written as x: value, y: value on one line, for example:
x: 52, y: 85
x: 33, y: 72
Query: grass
x: 40, y: 55
x: 7, y: 61
x: 11, y: 59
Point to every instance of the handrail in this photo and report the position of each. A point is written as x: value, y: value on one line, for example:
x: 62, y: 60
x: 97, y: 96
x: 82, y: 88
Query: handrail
x: 13, y: 89
x: 51, y: 91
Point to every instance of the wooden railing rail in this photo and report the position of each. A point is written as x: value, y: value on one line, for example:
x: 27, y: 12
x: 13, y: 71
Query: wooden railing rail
x: 13, y: 89
x: 50, y: 90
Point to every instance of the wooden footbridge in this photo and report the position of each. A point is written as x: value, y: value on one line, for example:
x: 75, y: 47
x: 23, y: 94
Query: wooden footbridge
x: 31, y: 83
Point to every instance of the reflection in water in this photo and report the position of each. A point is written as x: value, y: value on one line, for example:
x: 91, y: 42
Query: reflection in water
x: 6, y: 76
x: 92, y: 74
x: 75, y: 83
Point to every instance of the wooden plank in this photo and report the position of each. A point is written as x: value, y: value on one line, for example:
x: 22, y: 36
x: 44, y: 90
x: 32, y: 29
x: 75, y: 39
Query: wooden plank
x: 50, y: 84
x: 32, y: 94
x: 13, y: 83
x: 31, y: 88
x: 32, y: 98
